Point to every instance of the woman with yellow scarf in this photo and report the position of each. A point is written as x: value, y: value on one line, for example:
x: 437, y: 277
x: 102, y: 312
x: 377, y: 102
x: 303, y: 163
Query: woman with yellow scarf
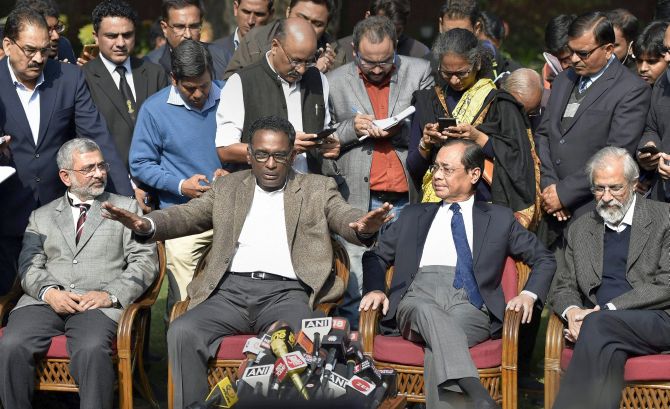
x: 490, y: 117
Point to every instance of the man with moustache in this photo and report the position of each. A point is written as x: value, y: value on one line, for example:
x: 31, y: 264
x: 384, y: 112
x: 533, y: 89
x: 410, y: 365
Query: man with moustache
x: 78, y: 272
x: 120, y: 83
x: 285, y: 83
x: 248, y: 14
x: 612, y: 290
x: 46, y: 103
x: 60, y: 47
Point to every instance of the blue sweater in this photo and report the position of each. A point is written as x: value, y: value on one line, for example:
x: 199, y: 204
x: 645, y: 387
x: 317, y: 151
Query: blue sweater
x: 171, y: 143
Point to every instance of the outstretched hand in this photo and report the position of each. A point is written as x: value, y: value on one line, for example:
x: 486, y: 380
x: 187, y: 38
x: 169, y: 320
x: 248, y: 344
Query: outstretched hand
x: 128, y: 219
x: 373, y: 220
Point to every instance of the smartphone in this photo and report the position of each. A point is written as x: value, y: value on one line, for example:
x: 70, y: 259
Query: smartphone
x: 92, y: 49
x: 323, y: 134
x: 650, y: 149
x: 444, y: 123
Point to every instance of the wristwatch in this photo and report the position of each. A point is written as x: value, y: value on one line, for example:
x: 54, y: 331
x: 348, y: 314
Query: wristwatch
x: 114, y: 300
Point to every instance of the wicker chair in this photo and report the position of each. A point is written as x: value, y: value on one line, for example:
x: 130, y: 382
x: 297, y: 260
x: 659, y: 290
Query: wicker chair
x: 496, y: 360
x: 229, y: 355
x: 647, y: 377
x: 53, y: 373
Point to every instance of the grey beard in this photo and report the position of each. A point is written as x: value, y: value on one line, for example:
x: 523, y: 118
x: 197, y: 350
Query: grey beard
x: 85, y: 193
x: 615, y: 215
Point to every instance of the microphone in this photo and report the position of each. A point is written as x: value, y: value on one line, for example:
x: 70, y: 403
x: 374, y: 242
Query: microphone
x: 303, y: 341
x: 281, y: 341
x: 379, y: 395
x: 361, y: 385
x: 313, y: 326
x: 336, y: 383
x: 222, y: 395
x: 337, y: 338
x: 389, y: 377
x: 255, y: 374
x: 366, y: 369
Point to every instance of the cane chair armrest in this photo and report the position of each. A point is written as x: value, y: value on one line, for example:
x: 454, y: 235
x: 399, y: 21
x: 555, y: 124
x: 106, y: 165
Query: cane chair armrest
x: 368, y: 327
x: 555, y: 341
x: 510, y: 338
x: 179, y: 309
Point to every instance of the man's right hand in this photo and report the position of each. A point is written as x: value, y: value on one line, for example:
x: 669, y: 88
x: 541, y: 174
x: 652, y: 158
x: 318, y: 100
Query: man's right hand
x: 647, y: 161
x: 575, y: 318
x: 304, y: 142
x: 63, y: 302
x: 192, y: 187
x: 128, y: 219
x: 373, y: 300
x: 363, y: 124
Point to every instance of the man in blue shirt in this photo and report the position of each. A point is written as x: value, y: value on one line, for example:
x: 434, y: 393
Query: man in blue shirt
x: 173, y: 150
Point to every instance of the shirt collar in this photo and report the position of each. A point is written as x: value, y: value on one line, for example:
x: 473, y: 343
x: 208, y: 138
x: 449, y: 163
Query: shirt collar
x: 283, y: 81
x: 75, y: 200
x: 111, y: 67
x: 236, y: 38
x: 466, y: 205
x: 174, y: 98
x: 273, y: 193
x: 18, y: 83
x: 627, y: 218
x: 597, y: 75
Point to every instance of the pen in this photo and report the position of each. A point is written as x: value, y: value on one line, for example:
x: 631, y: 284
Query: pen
x: 357, y: 112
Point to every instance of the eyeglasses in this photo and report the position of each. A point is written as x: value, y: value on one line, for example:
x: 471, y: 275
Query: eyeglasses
x: 180, y: 29
x: 446, y: 171
x: 58, y: 28
x: 262, y: 156
x: 615, y: 190
x: 368, y: 65
x: 584, y: 55
x: 89, y: 171
x: 297, y: 63
x: 459, y: 74
x: 30, y: 52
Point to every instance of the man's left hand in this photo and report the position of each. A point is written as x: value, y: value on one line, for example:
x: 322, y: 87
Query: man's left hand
x: 304, y: 142
x: 95, y: 299
x: 326, y: 60
x: 373, y: 220
x: 550, y: 201
x: 522, y: 302
x: 330, y: 148
x: 467, y: 131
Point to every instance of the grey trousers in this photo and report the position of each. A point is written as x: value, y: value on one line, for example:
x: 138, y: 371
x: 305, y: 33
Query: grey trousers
x: 89, y: 343
x: 441, y: 315
x: 241, y: 305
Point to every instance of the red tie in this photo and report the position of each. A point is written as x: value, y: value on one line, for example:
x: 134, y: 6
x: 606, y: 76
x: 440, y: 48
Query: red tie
x: 83, y: 208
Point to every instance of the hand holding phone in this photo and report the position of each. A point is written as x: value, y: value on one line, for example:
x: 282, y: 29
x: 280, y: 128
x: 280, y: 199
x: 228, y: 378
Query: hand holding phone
x: 323, y: 134
x: 444, y: 123
x: 650, y: 149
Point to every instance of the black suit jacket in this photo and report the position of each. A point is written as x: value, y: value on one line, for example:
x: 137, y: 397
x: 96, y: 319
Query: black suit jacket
x: 657, y: 127
x: 162, y: 57
x: 612, y: 114
x: 66, y: 111
x: 228, y: 45
x: 496, y: 235
x: 148, y: 78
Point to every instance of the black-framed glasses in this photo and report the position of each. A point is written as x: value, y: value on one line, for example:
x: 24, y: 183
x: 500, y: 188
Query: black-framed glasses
x: 58, y: 28
x: 446, y: 171
x: 89, y: 171
x: 368, y: 65
x: 459, y: 74
x: 30, y: 52
x: 180, y: 29
x: 584, y: 55
x: 615, y: 190
x: 297, y: 63
x: 262, y: 156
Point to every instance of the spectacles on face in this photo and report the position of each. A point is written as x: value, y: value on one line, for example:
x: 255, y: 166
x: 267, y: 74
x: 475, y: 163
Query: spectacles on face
x: 89, y: 171
x: 368, y: 65
x: 297, y: 63
x: 30, y: 52
x: 615, y: 190
x: 58, y: 28
x: 459, y: 74
x: 262, y: 156
x: 180, y: 29
x: 446, y: 171
x: 584, y: 55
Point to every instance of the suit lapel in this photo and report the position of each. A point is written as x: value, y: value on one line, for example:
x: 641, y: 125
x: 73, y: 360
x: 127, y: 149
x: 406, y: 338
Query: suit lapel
x: 480, y: 222
x: 425, y: 221
x: 565, y: 93
x: 596, y: 89
x: 65, y: 223
x: 361, y: 95
x: 48, y: 93
x: 12, y: 102
x: 93, y: 220
x: 640, y: 233
x: 105, y: 82
x: 597, y: 231
x: 140, y: 81
x: 292, y: 205
x: 244, y: 194
x: 394, y: 91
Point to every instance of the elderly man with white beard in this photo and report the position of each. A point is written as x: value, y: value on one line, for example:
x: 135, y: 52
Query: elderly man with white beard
x: 614, y: 289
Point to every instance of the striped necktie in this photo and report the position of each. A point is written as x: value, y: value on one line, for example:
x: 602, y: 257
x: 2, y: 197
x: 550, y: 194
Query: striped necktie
x: 83, y: 208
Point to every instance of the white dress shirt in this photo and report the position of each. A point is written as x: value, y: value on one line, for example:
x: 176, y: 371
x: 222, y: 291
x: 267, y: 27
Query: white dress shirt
x: 75, y: 209
x: 230, y: 114
x: 263, y: 244
x: 439, y: 249
x: 236, y: 38
x: 111, y: 67
x: 30, y: 100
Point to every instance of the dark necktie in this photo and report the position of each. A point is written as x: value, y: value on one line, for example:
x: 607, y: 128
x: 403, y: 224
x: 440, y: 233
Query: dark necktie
x: 126, y: 92
x: 465, y: 276
x: 83, y: 208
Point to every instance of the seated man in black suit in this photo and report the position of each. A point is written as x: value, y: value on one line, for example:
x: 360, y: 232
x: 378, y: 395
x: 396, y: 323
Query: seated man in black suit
x: 446, y: 289
x: 614, y: 289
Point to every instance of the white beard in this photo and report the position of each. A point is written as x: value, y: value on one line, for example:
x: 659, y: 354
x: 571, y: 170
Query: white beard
x: 614, y: 211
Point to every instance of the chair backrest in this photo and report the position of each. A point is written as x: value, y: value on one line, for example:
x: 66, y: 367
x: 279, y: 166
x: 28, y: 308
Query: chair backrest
x: 151, y: 293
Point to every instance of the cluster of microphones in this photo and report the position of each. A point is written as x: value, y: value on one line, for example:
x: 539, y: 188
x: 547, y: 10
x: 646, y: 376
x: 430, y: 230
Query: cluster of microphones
x: 322, y: 362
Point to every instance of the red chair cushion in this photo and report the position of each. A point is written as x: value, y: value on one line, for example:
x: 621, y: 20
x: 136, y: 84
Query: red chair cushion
x: 231, y: 347
x: 638, y: 369
x: 58, y: 349
x: 510, y: 280
x: 397, y: 350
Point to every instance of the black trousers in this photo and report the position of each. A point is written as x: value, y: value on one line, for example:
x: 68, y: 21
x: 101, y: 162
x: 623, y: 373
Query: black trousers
x: 27, y: 337
x: 594, y: 378
x: 241, y: 305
